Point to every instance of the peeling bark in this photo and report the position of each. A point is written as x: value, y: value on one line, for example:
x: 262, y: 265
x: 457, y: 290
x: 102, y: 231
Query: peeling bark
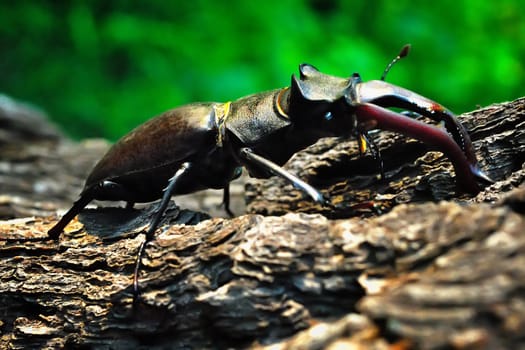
x: 434, y: 268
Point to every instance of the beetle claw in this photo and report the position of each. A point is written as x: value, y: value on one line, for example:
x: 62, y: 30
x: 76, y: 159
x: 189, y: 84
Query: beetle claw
x: 326, y: 202
x: 480, y: 174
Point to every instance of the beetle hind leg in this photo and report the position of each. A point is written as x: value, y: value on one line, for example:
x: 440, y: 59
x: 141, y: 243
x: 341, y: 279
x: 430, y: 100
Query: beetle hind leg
x: 77, y: 207
x: 100, y: 190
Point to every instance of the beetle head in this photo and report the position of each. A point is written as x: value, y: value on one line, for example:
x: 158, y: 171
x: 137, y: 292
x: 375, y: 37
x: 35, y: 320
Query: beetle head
x: 318, y: 100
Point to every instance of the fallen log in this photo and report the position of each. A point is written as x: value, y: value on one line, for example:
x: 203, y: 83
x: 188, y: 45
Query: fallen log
x: 432, y: 268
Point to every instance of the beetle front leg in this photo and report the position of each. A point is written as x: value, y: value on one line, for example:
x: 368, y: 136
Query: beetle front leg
x: 366, y: 142
x: 249, y: 156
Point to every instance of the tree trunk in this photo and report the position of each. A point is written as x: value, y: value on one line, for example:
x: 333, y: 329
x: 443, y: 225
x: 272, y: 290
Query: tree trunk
x: 424, y: 266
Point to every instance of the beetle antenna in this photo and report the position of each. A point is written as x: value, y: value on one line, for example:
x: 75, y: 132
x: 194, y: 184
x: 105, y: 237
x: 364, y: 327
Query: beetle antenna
x: 403, y: 53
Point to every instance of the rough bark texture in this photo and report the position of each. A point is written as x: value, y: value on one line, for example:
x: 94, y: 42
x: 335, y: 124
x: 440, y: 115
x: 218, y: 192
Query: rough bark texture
x: 431, y: 268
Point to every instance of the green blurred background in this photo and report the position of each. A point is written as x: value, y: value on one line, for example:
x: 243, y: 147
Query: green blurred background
x: 99, y: 68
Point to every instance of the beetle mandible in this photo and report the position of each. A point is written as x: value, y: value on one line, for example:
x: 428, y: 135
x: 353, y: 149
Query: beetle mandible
x: 205, y: 145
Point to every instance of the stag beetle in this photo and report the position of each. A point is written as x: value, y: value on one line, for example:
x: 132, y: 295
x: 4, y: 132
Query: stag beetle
x: 204, y: 145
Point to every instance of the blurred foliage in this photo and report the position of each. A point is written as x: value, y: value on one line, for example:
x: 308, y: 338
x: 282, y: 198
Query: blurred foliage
x: 101, y: 67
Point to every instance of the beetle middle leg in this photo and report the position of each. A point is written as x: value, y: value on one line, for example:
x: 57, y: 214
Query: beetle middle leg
x: 168, y: 191
x: 226, y: 200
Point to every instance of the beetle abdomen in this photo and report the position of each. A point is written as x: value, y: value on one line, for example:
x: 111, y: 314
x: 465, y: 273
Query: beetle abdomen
x: 145, y: 158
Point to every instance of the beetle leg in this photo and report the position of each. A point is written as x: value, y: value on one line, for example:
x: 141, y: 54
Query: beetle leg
x: 364, y: 142
x: 90, y: 193
x: 168, y: 191
x: 77, y: 207
x: 226, y: 201
x: 130, y: 205
x: 248, y: 155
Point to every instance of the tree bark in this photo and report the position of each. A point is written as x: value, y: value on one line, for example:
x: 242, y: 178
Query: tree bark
x: 426, y: 266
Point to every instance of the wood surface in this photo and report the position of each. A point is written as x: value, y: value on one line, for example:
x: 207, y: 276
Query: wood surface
x: 426, y: 266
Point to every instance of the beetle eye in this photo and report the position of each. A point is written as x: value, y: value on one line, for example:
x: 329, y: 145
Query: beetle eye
x: 328, y: 115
